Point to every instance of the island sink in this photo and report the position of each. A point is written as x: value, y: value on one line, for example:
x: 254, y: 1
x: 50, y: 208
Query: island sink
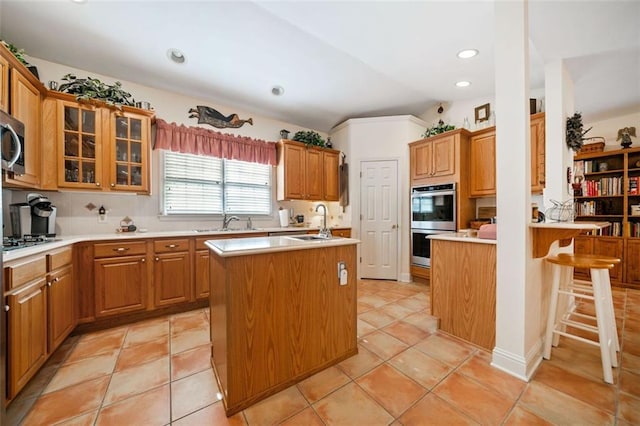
x: 311, y: 237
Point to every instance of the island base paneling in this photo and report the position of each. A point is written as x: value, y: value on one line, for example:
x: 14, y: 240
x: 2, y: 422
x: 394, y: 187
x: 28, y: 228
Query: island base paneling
x: 277, y: 318
x: 463, y: 290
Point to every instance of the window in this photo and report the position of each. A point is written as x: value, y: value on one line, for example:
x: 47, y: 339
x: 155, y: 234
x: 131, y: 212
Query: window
x: 196, y: 184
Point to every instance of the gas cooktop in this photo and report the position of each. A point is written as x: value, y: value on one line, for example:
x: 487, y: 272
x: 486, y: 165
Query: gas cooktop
x: 13, y: 243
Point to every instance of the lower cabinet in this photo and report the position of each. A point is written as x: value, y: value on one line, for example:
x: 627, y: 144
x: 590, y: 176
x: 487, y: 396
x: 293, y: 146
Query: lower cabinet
x: 61, y: 300
x: 171, y: 272
x: 633, y: 266
x: 605, y: 246
x: 27, y: 334
x: 121, y: 285
x: 42, y: 312
x: 202, y: 274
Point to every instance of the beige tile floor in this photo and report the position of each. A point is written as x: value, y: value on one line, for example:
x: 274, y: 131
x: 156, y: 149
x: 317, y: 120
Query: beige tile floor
x: 406, y: 372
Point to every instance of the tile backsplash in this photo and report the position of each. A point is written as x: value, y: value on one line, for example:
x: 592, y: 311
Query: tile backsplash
x: 74, y: 218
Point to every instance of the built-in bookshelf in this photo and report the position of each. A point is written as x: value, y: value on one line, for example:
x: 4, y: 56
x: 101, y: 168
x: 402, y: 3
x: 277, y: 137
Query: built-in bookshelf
x: 609, y: 190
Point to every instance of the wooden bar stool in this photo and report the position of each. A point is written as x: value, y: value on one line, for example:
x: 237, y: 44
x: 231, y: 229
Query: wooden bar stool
x: 598, y: 290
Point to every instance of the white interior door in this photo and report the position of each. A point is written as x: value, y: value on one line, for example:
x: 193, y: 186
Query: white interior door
x: 379, y: 219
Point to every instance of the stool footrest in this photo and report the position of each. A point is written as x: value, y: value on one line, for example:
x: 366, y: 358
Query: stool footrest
x: 573, y: 336
x: 580, y: 325
x: 580, y: 295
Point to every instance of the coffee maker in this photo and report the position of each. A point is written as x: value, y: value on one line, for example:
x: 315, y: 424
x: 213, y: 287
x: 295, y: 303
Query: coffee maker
x: 35, y: 217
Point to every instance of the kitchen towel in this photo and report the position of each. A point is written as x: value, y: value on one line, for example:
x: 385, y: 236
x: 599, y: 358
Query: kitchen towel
x: 344, y: 185
x: 284, y: 217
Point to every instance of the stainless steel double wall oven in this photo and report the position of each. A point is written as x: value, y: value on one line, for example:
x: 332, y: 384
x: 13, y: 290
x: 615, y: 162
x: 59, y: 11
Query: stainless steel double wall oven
x: 433, y: 211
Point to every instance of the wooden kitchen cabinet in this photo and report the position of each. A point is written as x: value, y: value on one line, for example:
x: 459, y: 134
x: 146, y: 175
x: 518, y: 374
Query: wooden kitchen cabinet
x: 433, y: 157
x: 171, y: 272
x: 538, y: 152
x: 25, y: 106
x: 330, y: 175
x: 306, y: 173
x: 202, y: 274
x: 91, y: 146
x: 633, y: 266
x: 605, y: 246
x: 61, y: 297
x: 4, y: 84
x: 121, y: 279
x: 26, y: 321
x: 482, y: 164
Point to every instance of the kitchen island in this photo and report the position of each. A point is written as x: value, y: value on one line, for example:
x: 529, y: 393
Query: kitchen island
x: 279, y: 312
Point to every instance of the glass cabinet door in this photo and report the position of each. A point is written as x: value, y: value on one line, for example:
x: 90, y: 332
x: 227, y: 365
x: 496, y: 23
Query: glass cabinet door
x: 130, y: 155
x: 81, y: 154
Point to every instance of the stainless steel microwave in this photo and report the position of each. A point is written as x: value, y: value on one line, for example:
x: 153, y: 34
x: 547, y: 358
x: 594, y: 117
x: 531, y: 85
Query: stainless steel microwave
x: 12, y: 138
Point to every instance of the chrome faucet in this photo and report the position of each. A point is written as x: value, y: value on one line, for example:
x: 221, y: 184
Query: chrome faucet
x: 227, y: 220
x: 324, y: 231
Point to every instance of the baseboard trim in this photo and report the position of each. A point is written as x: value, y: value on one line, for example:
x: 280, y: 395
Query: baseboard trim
x: 516, y: 365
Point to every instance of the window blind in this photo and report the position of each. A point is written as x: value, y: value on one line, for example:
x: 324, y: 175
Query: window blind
x: 208, y: 185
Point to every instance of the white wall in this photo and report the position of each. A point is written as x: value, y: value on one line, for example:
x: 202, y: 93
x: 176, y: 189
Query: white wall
x: 608, y: 129
x: 74, y: 218
x: 381, y: 138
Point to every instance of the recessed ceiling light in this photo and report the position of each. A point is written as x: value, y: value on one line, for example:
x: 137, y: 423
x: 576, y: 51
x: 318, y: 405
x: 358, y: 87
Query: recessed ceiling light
x: 79, y: 1
x: 463, y: 84
x: 467, y: 53
x: 277, y: 90
x: 176, y: 56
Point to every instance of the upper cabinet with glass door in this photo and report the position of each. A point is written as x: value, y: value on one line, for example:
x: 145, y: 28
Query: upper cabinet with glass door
x: 129, y: 145
x: 96, y: 147
x: 80, y: 164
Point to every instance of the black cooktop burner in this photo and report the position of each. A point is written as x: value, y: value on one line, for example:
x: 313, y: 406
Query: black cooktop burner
x: 13, y: 243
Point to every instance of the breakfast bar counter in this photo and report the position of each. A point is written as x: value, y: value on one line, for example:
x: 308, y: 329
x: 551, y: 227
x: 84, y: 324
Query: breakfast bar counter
x: 280, y: 312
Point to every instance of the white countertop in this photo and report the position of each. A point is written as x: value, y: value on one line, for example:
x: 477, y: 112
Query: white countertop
x: 462, y: 237
x: 570, y: 225
x: 72, y: 239
x: 258, y: 245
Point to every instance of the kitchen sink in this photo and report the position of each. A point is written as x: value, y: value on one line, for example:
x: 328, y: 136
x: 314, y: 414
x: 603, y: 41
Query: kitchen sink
x: 310, y: 237
x: 225, y: 230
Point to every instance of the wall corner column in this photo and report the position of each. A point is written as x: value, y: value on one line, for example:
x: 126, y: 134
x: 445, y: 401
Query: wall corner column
x: 517, y: 302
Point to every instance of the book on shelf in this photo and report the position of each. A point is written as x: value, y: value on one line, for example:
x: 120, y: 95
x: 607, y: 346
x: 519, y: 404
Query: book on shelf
x: 615, y: 230
x: 635, y: 229
x: 634, y: 185
x: 602, y: 186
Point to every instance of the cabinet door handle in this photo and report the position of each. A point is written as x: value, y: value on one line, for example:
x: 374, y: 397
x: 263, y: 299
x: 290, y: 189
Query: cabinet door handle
x: 157, y: 258
x: 172, y: 245
x: 113, y: 185
x: 97, y: 183
x: 143, y: 260
x: 6, y: 308
x: 121, y: 249
x: 48, y: 283
x: 56, y: 279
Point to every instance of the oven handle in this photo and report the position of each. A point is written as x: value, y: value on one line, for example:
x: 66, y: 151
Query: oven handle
x: 417, y: 194
x: 16, y: 145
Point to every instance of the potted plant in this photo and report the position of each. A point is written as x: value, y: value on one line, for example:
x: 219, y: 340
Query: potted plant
x: 87, y: 89
x: 309, y: 138
x: 437, y: 129
x: 575, y: 134
x: 19, y: 54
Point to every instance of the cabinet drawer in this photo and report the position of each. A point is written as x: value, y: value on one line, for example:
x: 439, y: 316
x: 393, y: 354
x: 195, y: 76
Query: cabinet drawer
x: 345, y: 233
x: 25, y: 271
x: 164, y: 246
x: 119, y: 249
x: 59, y: 258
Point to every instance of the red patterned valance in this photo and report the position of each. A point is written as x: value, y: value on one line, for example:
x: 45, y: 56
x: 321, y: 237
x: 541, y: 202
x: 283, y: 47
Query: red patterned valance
x: 199, y: 141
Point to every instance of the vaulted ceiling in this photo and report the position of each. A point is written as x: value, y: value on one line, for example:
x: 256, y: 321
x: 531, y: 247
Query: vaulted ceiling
x: 335, y: 59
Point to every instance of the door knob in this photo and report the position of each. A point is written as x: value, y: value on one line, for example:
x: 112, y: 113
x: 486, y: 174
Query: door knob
x: 394, y: 226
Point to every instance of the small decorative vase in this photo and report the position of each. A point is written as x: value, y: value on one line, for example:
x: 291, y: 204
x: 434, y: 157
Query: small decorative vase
x: 284, y: 134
